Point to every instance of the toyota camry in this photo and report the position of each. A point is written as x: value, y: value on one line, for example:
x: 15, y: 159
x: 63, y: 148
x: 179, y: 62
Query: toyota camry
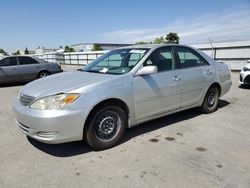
x: 123, y: 88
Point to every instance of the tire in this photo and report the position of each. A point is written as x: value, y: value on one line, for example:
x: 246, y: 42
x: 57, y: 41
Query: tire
x: 210, y: 103
x: 106, y: 127
x: 43, y: 74
x: 243, y: 85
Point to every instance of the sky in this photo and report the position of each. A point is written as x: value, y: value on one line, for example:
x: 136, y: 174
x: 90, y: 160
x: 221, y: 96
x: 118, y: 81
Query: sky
x: 47, y: 23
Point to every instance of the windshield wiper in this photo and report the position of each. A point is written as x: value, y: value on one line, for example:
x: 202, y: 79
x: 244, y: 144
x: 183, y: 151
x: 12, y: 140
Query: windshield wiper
x: 94, y: 71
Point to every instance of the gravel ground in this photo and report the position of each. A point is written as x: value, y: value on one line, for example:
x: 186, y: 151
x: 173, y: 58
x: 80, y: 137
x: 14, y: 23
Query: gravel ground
x: 187, y: 149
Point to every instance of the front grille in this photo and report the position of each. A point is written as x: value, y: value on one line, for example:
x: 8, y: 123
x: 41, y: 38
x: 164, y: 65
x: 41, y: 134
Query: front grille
x: 240, y: 78
x: 26, y: 99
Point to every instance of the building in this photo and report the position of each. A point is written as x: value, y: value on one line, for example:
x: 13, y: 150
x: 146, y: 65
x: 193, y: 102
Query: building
x: 39, y: 51
x: 45, y: 50
x: 22, y: 52
x: 83, y: 47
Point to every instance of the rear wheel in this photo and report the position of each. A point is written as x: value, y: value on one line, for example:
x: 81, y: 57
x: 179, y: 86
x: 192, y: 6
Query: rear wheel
x: 106, y: 127
x: 43, y: 74
x: 210, y: 103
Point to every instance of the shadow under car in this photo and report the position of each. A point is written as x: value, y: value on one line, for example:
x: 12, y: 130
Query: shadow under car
x: 79, y: 147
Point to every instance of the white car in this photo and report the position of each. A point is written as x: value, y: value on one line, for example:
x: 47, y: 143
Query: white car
x: 245, y: 74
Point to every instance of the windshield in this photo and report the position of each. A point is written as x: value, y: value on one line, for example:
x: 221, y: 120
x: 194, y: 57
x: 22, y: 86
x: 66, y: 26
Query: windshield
x: 118, y: 61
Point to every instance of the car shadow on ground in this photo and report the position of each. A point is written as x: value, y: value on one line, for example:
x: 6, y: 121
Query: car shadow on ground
x: 78, y: 147
x: 244, y: 86
x: 166, y: 121
x: 62, y: 150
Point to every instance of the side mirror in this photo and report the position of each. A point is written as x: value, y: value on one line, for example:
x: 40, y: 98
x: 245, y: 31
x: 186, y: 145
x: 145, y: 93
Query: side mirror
x: 147, y: 70
x: 248, y: 61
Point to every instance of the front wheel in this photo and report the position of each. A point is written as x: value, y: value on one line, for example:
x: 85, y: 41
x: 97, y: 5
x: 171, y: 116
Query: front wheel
x: 210, y: 103
x: 106, y: 127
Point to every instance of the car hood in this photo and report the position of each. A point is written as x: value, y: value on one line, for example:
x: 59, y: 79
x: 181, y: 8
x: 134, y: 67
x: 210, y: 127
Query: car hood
x: 62, y: 83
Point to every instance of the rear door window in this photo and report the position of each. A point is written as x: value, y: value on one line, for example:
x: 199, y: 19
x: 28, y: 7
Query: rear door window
x: 26, y: 61
x: 189, y: 58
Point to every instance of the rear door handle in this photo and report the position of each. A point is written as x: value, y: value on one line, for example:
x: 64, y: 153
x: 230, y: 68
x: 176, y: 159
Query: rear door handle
x: 176, y: 78
x: 209, y: 72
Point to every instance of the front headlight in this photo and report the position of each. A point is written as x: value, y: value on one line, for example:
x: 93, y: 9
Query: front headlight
x: 246, y: 69
x: 54, y: 102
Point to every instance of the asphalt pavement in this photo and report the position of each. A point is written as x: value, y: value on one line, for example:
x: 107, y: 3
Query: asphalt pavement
x: 187, y: 149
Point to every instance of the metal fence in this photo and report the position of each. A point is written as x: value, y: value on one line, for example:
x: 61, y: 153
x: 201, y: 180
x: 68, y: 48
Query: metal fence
x: 73, y: 58
x: 81, y: 58
x: 235, y: 56
x: 51, y: 57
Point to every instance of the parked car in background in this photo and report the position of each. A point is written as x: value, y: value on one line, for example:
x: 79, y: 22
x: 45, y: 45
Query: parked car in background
x: 119, y: 90
x: 245, y: 74
x: 24, y: 68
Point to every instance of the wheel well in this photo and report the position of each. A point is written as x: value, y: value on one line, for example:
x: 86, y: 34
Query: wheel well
x: 113, y: 101
x: 216, y: 85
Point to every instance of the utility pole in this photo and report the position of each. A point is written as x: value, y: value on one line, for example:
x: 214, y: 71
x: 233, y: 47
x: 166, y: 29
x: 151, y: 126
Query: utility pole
x: 213, y: 51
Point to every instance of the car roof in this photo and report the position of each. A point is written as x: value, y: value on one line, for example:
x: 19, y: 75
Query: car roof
x: 35, y: 58
x: 18, y: 56
x: 151, y: 46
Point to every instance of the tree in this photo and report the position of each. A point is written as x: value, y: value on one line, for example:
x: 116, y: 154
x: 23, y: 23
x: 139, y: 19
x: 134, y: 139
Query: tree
x: 17, y: 53
x: 159, y: 40
x: 68, y: 49
x: 2, y: 51
x: 172, y: 38
x: 96, y: 47
x: 26, y: 51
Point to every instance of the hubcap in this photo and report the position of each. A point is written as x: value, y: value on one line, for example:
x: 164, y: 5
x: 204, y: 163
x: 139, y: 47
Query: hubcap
x: 43, y: 75
x: 211, y: 99
x: 108, y: 126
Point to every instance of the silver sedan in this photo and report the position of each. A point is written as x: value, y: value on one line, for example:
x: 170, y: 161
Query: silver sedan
x: 119, y: 90
x: 24, y: 68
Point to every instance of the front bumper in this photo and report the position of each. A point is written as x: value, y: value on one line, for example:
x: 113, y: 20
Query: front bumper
x: 245, y: 78
x: 50, y: 126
